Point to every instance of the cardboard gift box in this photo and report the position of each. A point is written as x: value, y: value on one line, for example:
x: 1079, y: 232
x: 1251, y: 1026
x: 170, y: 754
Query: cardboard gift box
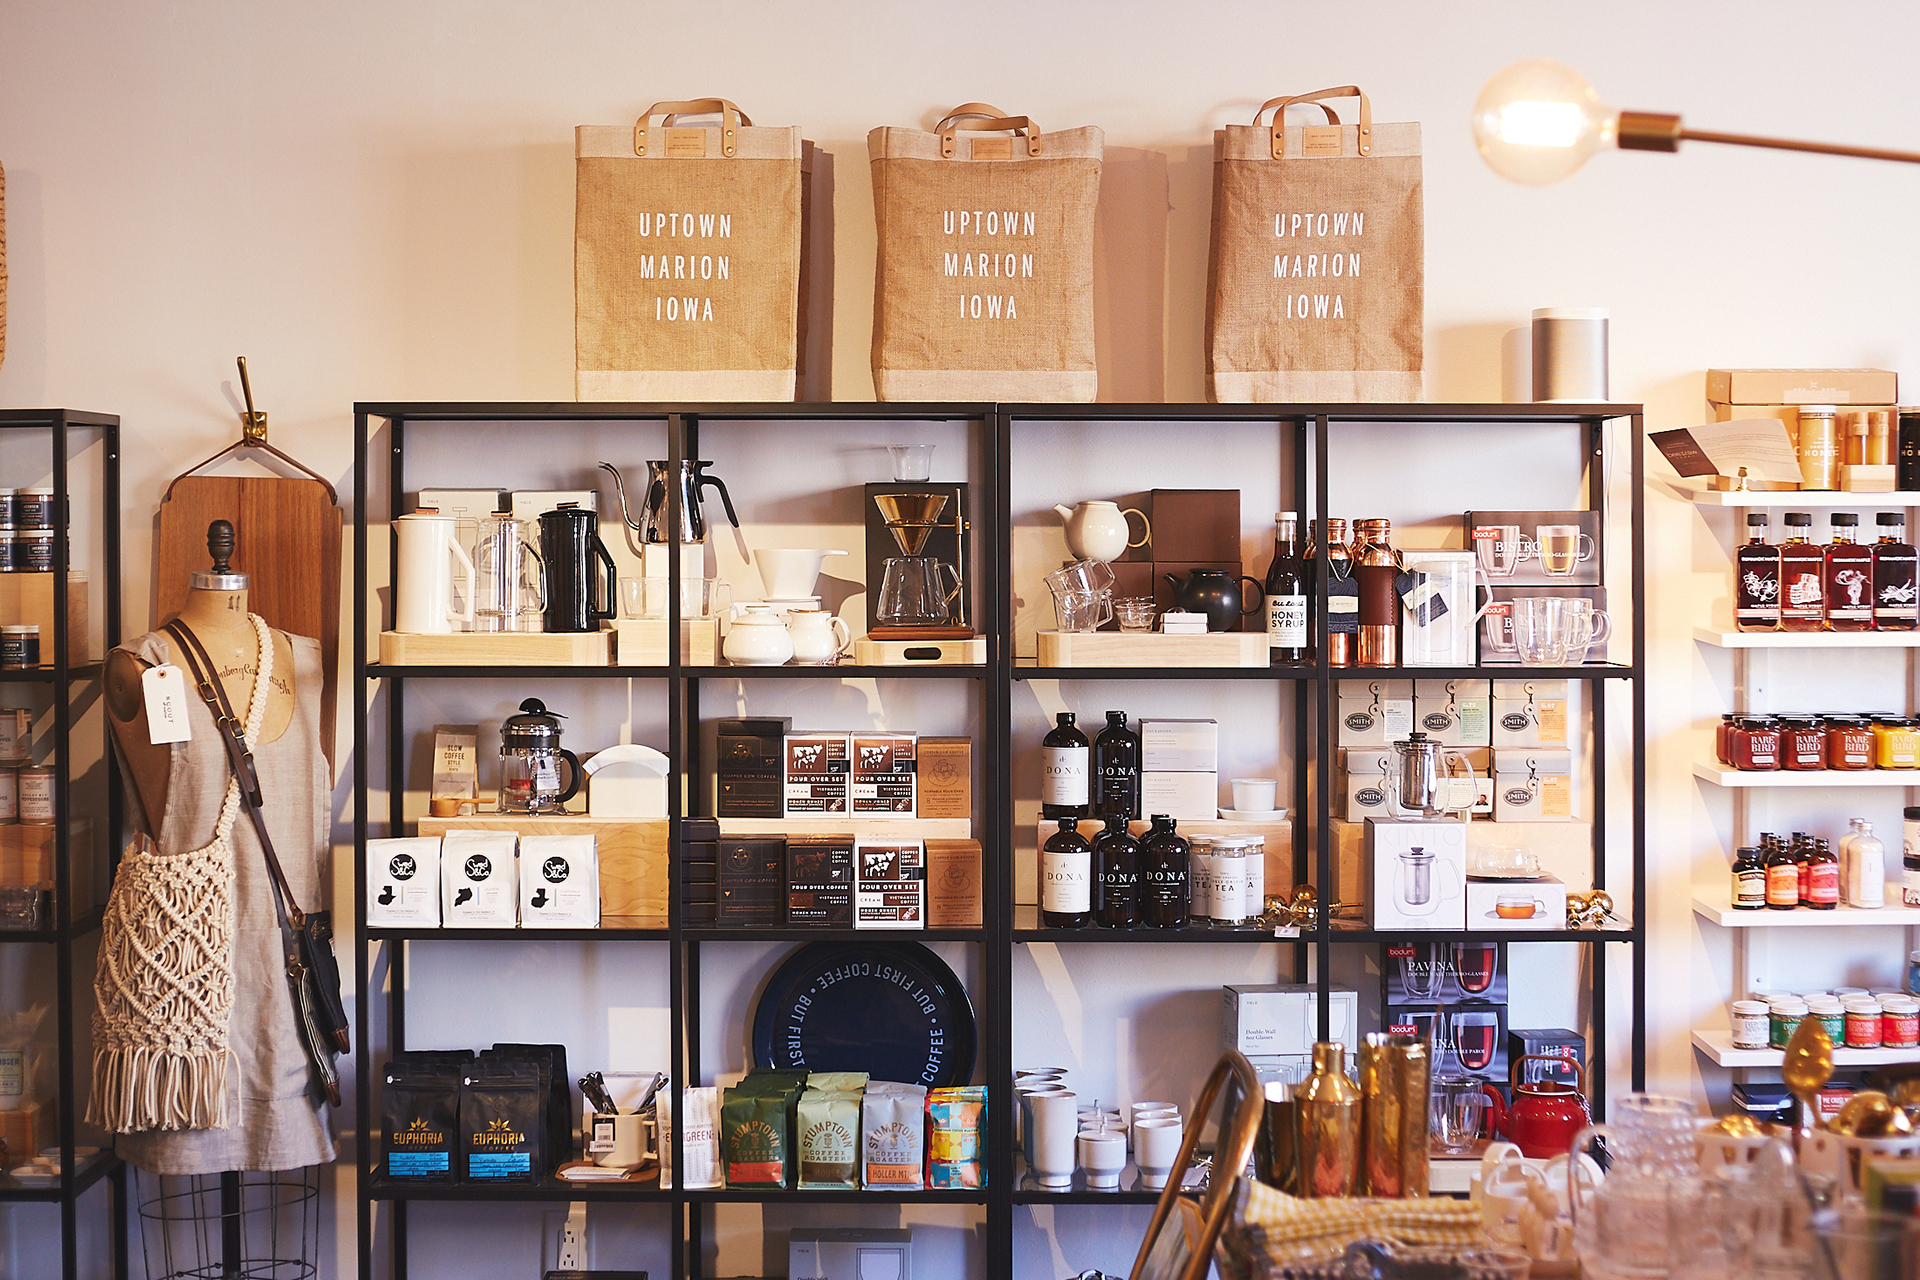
x: 1375, y: 712
x: 1457, y: 713
x: 1536, y: 903
x: 1416, y: 873
x: 1533, y: 786
x: 1284, y: 1018
x: 1433, y: 972
x: 1530, y: 713
x: 1565, y: 1048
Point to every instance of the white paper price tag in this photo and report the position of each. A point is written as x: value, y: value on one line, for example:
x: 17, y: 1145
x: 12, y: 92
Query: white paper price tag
x: 602, y: 1141
x: 166, y: 692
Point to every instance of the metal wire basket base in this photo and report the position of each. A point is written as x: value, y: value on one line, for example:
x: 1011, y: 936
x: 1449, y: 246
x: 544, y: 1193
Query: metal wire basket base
x: 230, y: 1226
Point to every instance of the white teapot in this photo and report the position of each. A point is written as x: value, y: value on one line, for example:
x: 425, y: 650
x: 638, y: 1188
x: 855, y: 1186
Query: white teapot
x: 757, y: 638
x: 1098, y: 530
x: 817, y: 635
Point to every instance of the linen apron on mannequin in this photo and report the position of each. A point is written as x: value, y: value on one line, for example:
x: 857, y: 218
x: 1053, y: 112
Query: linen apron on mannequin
x: 271, y: 1123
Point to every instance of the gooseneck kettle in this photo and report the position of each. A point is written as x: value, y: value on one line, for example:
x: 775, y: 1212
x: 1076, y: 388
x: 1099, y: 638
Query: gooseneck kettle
x: 690, y: 481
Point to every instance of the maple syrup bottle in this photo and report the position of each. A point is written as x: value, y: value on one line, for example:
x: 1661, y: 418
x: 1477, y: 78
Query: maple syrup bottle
x: 1756, y: 601
x: 1803, y: 572
x: 1896, y: 593
x: 1849, y: 577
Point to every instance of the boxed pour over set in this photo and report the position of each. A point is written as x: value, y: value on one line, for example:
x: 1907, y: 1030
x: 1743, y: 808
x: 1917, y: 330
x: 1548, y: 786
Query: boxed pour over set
x: 935, y: 746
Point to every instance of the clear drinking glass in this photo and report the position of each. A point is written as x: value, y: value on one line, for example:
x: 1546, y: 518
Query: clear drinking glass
x: 912, y: 461
x: 1458, y: 1109
x: 1134, y: 612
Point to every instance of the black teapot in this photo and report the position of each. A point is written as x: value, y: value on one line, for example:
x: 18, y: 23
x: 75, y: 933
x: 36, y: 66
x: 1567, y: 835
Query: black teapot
x: 1216, y: 593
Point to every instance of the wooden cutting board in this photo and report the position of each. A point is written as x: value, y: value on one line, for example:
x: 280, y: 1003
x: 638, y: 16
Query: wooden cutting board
x: 287, y: 541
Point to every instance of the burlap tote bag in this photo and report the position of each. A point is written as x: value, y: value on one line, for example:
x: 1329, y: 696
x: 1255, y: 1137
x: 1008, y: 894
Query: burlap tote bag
x: 984, y: 285
x: 688, y: 253
x: 1315, y: 280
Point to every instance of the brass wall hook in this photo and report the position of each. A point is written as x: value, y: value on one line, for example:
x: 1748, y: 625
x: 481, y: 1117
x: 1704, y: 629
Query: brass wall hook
x: 253, y: 423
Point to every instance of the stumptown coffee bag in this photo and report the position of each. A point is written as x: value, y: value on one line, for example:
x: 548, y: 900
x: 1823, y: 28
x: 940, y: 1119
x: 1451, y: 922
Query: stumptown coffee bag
x: 502, y: 1122
x: 1317, y: 269
x: 403, y: 882
x: 756, y: 1130
x: 893, y: 1136
x: 829, y: 1125
x: 478, y: 879
x: 984, y: 285
x: 420, y: 1112
x: 690, y: 250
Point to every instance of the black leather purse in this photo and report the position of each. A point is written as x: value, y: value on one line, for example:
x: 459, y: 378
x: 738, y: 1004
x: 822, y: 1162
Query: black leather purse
x: 313, y: 975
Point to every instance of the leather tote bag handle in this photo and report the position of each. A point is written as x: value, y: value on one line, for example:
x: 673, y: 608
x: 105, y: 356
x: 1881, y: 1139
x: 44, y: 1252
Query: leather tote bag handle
x: 994, y: 118
x: 731, y: 118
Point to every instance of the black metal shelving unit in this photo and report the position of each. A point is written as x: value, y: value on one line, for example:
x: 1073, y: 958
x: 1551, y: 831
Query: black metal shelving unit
x: 74, y: 686
x: 1309, y: 435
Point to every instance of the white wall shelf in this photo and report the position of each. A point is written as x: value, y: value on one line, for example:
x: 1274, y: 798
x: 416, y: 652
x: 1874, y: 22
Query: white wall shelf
x: 1807, y: 639
x: 1722, y: 913
x: 1753, y: 778
x: 1718, y: 1045
x: 1801, y: 498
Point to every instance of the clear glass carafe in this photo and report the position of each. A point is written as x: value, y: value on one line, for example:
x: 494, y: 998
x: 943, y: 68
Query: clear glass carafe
x: 1624, y: 1227
x: 914, y: 592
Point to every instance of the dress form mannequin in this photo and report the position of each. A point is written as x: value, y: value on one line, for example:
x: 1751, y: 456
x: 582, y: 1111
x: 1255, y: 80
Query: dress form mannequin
x: 216, y: 611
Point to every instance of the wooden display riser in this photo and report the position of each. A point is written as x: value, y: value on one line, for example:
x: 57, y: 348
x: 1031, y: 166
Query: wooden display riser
x: 498, y: 649
x: 1151, y: 649
x: 642, y: 642
x: 920, y: 653
x: 632, y: 852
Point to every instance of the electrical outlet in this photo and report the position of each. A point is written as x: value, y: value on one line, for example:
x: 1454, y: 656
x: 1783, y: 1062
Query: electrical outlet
x: 573, y: 1239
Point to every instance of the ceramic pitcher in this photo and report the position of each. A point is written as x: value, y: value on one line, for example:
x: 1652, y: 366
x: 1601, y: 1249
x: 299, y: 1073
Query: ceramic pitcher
x: 429, y: 550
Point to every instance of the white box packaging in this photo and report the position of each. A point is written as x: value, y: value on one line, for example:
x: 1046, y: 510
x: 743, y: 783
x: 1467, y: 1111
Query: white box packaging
x: 1283, y: 1019
x: 1458, y: 713
x: 1187, y: 797
x: 890, y: 884
x: 1530, y: 713
x: 559, y: 882
x: 1179, y: 746
x: 479, y: 880
x: 818, y: 773
x: 1537, y: 903
x: 1416, y: 873
x: 1533, y: 786
x: 1374, y: 713
x: 885, y: 772
x: 403, y: 882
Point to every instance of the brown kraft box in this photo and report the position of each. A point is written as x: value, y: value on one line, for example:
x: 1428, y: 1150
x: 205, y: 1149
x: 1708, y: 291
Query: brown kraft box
x: 954, y: 884
x: 945, y: 778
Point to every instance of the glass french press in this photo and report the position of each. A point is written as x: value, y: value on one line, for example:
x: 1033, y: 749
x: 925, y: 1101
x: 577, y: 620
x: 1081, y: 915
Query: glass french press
x: 530, y: 758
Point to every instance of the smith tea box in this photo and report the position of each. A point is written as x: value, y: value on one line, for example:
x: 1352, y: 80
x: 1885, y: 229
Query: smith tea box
x: 819, y: 769
x: 883, y: 774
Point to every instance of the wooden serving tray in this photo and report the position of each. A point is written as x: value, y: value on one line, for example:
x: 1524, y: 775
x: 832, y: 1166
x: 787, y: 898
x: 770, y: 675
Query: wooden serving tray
x: 920, y: 653
x: 498, y: 649
x: 632, y: 853
x: 1152, y: 649
x: 642, y: 642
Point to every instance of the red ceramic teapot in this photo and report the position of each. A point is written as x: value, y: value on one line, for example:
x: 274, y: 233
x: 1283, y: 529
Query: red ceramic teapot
x: 1544, y: 1117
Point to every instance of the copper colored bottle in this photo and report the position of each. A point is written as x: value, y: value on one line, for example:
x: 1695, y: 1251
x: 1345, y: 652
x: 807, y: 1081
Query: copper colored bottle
x: 1375, y: 568
x: 1849, y: 576
x: 1803, y: 571
x: 1343, y: 603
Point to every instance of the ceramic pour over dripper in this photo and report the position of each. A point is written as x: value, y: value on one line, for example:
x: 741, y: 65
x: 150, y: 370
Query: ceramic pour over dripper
x: 911, y: 517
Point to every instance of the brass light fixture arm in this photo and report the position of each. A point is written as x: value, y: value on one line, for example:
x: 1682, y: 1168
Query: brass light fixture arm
x: 1657, y: 131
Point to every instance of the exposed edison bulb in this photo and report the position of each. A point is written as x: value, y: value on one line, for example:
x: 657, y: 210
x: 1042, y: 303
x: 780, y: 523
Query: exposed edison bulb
x: 1538, y: 121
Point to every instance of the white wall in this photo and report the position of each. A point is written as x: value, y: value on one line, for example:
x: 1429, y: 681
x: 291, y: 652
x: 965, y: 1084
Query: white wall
x: 373, y: 201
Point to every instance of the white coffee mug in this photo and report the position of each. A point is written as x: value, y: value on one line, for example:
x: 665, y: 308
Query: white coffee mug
x: 1103, y: 1154
x: 423, y: 598
x: 1055, y: 1125
x: 628, y: 1144
x: 1156, y: 1146
x: 1254, y: 795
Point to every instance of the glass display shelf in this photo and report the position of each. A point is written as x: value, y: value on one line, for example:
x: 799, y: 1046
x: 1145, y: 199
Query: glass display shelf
x: 90, y: 1171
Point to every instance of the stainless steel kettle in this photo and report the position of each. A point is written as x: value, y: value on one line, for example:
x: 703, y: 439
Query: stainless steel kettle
x: 692, y: 479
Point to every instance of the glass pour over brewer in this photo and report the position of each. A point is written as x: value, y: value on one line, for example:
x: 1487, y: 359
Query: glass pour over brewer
x: 530, y: 760
x: 915, y: 596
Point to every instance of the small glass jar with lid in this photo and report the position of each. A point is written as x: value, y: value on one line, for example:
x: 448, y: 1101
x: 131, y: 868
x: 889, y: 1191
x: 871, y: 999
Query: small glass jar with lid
x: 1849, y: 742
x: 1783, y: 1019
x: 1896, y: 745
x: 1754, y: 743
x: 1750, y: 1028
x: 1899, y: 1022
x: 1803, y: 742
x: 1721, y: 734
x: 1863, y: 1022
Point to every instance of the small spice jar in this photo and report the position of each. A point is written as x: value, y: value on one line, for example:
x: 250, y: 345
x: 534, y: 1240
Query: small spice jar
x: 36, y: 797
x: 1750, y: 1025
x: 33, y: 508
x: 1832, y: 1014
x: 1783, y: 1019
x: 1803, y: 742
x: 1863, y: 1023
x: 1899, y: 1022
x: 33, y: 550
x: 1849, y: 742
x: 19, y: 646
x: 1754, y: 743
x: 1895, y: 744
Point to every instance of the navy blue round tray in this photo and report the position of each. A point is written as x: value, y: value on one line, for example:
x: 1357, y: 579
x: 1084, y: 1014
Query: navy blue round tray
x: 891, y: 1009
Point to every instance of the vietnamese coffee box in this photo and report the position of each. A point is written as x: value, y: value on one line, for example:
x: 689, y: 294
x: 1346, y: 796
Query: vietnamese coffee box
x: 820, y: 880
x: 883, y: 774
x: 751, y: 871
x: 890, y: 886
x: 818, y: 771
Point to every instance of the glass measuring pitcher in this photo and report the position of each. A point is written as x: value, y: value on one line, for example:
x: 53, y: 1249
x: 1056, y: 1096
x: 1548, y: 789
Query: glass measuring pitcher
x: 914, y: 592
x: 513, y: 579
